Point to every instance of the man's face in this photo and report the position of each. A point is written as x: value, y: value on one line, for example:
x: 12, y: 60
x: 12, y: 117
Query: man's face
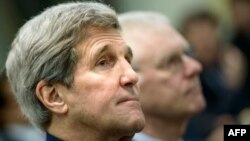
x: 170, y: 85
x: 104, y: 95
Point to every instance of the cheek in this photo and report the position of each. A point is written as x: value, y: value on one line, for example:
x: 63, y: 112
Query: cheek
x: 162, y: 89
x: 95, y: 93
x: 161, y: 82
x: 102, y: 95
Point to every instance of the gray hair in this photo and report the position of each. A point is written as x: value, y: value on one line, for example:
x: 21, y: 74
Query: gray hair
x: 44, y: 49
x: 142, y: 19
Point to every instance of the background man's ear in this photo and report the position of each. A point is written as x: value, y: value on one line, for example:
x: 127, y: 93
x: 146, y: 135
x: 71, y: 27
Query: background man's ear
x: 49, y: 96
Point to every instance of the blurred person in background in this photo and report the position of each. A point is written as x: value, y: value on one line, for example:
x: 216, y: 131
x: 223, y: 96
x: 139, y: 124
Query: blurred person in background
x: 169, y: 78
x: 14, y: 126
x: 223, y: 73
x: 3, y: 131
x: 69, y: 69
x: 240, y: 11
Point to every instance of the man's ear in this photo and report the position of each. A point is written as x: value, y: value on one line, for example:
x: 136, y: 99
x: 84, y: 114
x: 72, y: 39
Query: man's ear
x: 49, y: 96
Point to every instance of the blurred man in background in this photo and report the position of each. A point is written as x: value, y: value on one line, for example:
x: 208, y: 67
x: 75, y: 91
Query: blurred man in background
x: 240, y: 11
x: 222, y: 76
x: 169, y: 77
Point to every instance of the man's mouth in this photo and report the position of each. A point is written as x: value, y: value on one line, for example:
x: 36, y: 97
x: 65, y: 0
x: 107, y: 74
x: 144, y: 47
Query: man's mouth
x: 128, y: 99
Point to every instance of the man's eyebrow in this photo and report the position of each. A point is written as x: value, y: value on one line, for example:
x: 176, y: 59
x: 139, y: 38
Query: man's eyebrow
x: 101, y: 50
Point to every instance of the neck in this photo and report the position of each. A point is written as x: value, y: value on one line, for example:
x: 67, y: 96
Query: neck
x: 169, y: 129
x: 71, y: 132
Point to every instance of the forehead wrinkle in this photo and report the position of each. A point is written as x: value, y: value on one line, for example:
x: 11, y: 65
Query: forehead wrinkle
x: 96, y: 34
x: 103, y: 42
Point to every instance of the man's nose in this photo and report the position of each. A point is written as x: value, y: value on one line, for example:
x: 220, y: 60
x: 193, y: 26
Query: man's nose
x: 128, y: 77
x: 192, y: 67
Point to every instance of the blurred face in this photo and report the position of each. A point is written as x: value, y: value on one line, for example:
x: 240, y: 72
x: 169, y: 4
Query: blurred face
x: 170, y: 83
x: 104, y: 95
x: 204, y: 39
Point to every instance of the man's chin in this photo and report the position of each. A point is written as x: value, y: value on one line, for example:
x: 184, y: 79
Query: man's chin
x: 199, y: 103
x: 138, y: 124
x: 199, y: 107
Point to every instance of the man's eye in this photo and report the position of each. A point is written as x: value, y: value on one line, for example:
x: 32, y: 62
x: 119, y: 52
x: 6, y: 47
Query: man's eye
x: 175, y: 61
x: 102, y: 63
x: 105, y: 61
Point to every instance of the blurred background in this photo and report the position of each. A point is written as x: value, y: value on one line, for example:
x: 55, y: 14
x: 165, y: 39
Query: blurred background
x: 13, y: 13
x: 218, y: 31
